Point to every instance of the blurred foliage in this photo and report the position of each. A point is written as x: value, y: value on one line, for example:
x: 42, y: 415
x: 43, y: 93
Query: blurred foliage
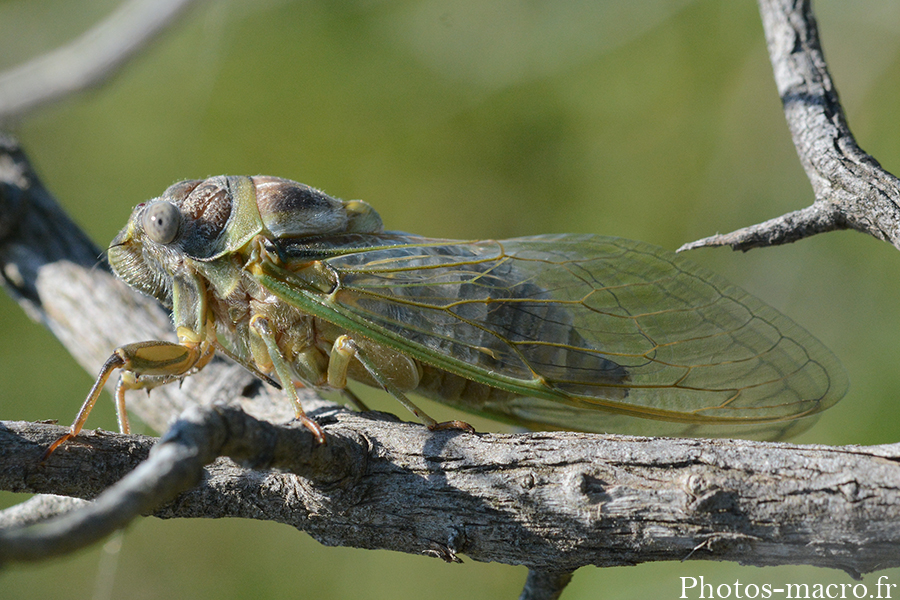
x: 656, y: 120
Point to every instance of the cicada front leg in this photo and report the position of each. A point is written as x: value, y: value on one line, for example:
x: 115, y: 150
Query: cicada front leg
x: 345, y: 350
x: 144, y: 365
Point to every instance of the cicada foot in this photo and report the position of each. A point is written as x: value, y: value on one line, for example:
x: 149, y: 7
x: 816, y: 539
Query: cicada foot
x: 115, y: 361
x: 261, y: 326
x: 458, y: 425
x: 314, y: 428
x: 345, y: 350
x: 59, y: 442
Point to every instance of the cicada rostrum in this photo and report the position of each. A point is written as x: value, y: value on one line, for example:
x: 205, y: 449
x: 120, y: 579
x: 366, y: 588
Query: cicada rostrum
x: 579, y: 332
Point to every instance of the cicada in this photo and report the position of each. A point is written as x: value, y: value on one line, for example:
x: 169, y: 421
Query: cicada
x: 580, y: 332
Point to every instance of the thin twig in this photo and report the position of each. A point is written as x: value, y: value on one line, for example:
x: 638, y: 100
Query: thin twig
x: 851, y: 189
x: 90, y: 59
x: 545, y: 585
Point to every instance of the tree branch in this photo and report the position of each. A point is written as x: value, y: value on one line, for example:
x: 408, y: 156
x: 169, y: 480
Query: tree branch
x: 851, y: 189
x: 90, y: 59
x: 549, y: 501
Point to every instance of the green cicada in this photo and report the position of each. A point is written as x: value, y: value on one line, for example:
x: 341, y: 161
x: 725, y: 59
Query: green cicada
x: 579, y: 332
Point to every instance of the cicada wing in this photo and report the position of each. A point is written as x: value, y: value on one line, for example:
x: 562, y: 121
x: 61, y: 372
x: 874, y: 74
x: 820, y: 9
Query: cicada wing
x: 585, y: 331
x: 539, y: 413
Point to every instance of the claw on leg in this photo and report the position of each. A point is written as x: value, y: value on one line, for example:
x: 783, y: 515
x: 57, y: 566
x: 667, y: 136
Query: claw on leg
x: 458, y: 425
x: 115, y: 361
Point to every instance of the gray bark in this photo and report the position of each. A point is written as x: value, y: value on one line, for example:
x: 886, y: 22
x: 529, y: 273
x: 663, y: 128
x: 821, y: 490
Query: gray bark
x: 551, y: 501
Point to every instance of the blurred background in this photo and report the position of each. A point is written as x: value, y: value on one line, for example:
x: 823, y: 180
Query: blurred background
x: 656, y: 120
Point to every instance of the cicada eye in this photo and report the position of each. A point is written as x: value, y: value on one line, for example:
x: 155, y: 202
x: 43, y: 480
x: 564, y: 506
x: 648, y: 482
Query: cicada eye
x: 161, y: 222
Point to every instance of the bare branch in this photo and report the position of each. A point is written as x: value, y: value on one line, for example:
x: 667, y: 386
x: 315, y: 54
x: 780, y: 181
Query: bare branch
x: 545, y: 585
x: 851, y: 189
x: 90, y: 59
x: 551, y: 501
x: 37, y: 509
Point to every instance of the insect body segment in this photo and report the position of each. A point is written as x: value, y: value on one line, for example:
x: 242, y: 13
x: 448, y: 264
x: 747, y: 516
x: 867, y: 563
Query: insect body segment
x: 573, y: 331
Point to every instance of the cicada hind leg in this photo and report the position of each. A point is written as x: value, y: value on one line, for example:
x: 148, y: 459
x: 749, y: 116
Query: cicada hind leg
x: 345, y: 350
x: 144, y: 365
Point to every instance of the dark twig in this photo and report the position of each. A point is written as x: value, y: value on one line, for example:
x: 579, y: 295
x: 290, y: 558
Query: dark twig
x: 545, y: 585
x: 851, y: 189
x: 174, y: 465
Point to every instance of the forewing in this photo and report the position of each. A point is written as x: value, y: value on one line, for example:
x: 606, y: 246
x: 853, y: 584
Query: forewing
x: 589, y: 330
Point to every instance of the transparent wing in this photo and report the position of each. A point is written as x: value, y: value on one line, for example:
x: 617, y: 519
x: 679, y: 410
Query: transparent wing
x: 586, y: 332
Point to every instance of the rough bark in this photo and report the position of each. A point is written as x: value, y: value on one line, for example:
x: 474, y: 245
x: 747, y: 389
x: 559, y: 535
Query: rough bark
x: 551, y: 501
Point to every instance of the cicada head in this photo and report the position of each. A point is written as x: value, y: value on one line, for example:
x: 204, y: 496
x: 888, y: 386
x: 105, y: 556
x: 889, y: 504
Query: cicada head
x: 151, y: 248
x: 204, y: 220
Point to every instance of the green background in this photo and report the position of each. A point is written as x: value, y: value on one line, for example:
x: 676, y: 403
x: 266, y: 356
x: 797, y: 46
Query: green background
x: 651, y: 120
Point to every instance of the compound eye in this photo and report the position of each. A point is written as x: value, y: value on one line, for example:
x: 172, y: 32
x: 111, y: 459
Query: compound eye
x: 161, y: 222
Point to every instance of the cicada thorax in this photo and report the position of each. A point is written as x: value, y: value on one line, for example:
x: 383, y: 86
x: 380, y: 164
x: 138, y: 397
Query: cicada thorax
x: 190, y: 248
x: 203, y: 229
x: 204, y: 220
